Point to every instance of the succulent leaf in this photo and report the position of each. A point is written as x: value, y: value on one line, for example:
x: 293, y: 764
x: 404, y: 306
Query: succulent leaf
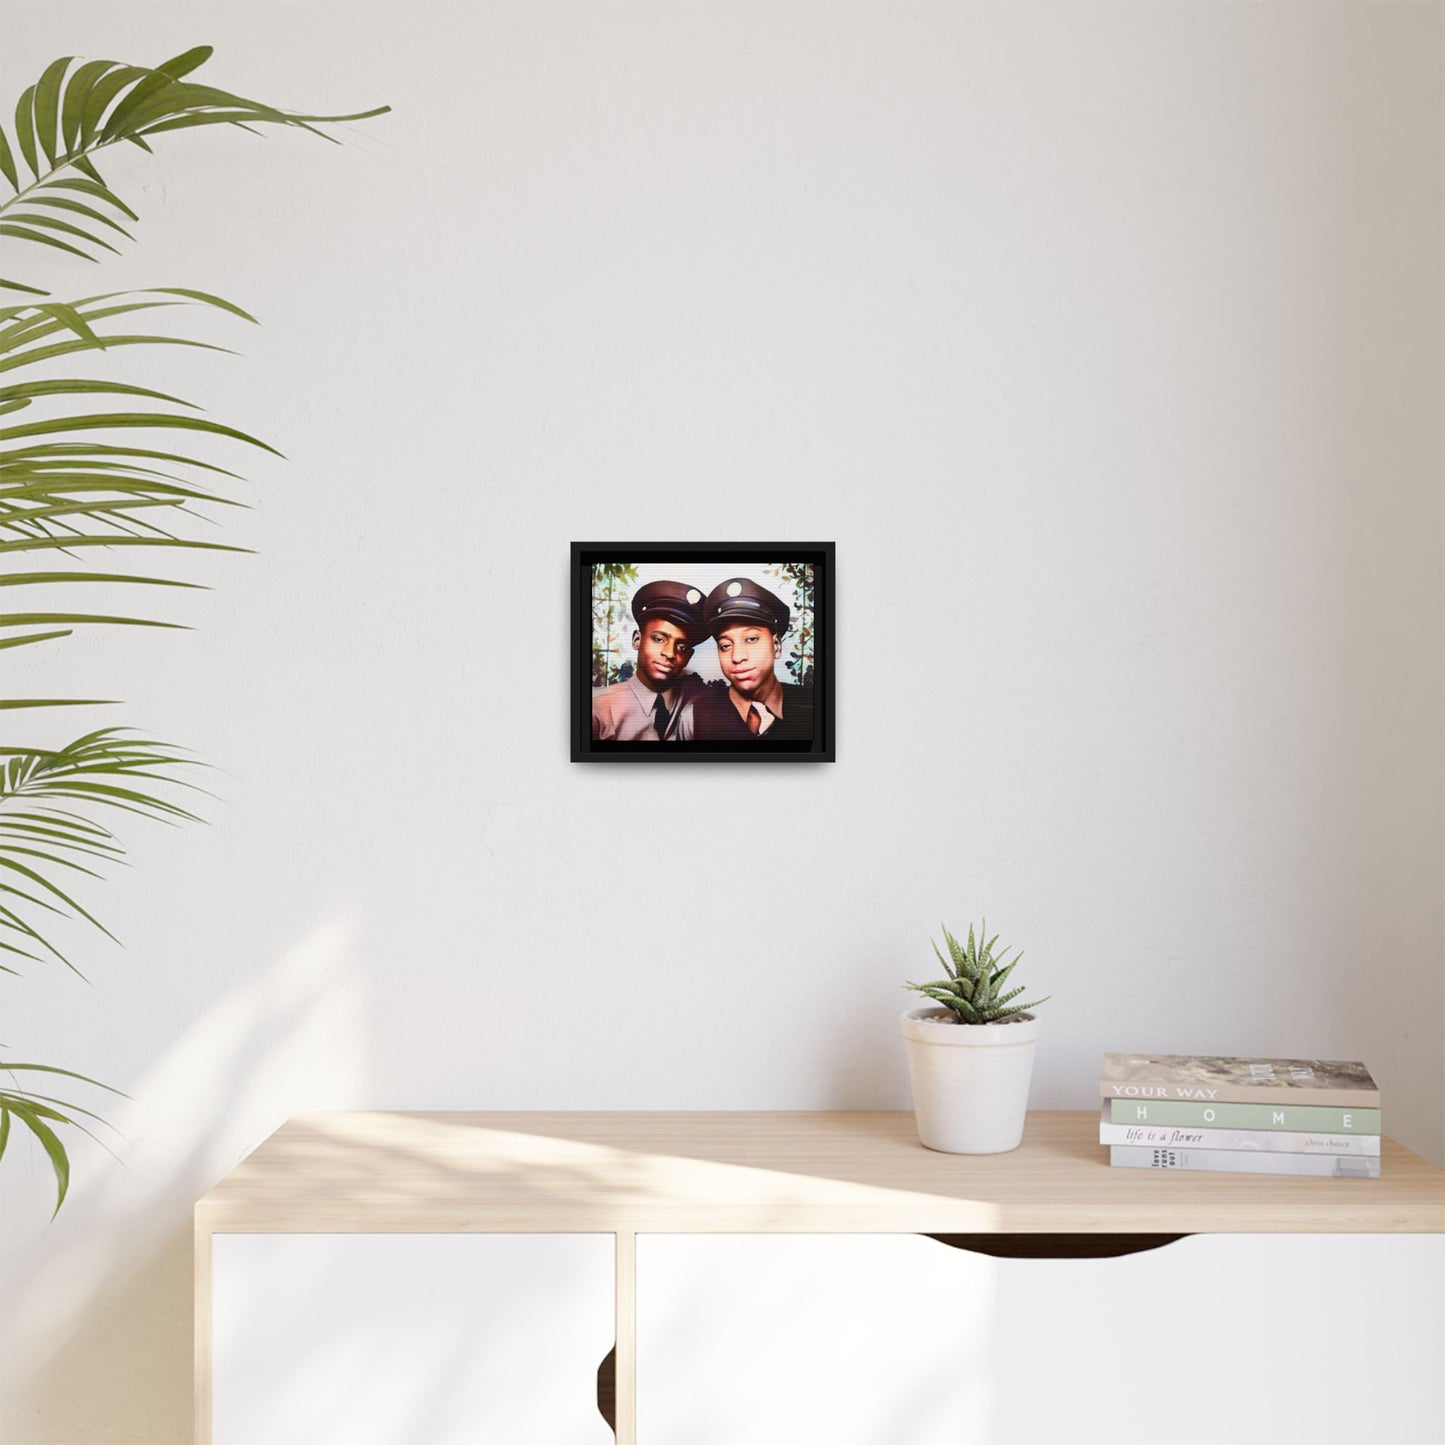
x: 948, y: 968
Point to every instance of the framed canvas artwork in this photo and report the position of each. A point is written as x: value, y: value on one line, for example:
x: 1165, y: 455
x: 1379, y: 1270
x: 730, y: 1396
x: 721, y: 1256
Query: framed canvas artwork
x: 702, y: 650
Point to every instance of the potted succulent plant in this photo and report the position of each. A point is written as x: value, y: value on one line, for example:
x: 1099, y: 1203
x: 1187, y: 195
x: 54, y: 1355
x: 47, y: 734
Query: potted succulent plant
x: 971, y: 1057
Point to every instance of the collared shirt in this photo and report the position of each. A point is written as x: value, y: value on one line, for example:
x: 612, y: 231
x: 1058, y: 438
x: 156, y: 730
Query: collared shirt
x: 768, y: 701
x: 716, y: 716
x: 625, y: 712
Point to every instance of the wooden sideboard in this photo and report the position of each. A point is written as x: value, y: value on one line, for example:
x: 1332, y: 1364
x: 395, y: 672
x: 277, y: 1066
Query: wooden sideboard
x: 626, y: 1175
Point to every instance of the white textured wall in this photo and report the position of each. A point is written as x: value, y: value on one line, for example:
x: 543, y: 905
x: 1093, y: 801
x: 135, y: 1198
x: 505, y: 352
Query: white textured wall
x: 1115, y: 329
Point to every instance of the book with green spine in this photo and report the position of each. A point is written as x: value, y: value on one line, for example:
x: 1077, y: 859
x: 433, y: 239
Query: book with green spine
x: 1312, y: 1118
x: 1225, y: 1136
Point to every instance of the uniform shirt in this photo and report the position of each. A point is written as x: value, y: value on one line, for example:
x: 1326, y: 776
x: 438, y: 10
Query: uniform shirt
x: 624, y: 712
x: 786, y: 717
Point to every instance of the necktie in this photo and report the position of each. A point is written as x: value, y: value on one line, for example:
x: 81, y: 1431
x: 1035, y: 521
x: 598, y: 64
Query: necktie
x: 661, y: 716
x: 754, y: 721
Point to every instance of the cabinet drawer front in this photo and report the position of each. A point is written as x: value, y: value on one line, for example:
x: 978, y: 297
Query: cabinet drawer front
x: 863, y: 1339
x: 394, y: 1339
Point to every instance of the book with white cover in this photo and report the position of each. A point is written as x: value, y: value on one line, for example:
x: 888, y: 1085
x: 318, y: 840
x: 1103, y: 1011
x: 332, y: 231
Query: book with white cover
x: 1237, y: 1161
x: 1263, y: 1141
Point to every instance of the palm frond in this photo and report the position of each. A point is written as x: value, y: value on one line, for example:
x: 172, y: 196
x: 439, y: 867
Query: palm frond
x: 63, y: 491
x: 110, y: 768
x: 74, y: 111
x: 41, y: 1113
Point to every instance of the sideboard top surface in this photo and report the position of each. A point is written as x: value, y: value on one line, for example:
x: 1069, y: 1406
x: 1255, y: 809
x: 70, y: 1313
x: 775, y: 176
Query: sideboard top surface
x: 686, y: 1172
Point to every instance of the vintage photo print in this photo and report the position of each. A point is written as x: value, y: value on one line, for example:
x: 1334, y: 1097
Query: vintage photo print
x: 702, y: 650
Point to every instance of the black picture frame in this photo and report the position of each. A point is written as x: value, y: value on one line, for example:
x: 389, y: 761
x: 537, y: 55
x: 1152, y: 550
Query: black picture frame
x: 745, y: 558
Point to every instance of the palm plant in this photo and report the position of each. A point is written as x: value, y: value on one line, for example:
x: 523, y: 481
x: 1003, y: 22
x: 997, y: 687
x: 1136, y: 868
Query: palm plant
x: 74, y: 485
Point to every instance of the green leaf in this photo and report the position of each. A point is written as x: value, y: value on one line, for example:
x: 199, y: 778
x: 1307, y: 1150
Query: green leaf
x: 27, y: 323
x: 55, y: 891
x: 65, y: 543
x: 948, y: 967
x: 117, y: 420
x: 50, y: 1142
x: 67, y: 348
x: 1025, y: 1007
x: 59, y: 522
x: 30, y: 898
x: 102, y: 93
x: 207, y: 117
x: 25, y: 130
x: 70, y: 318
x: 41, y: 320
x: 22, y: 233
x: 76, y: 91
x: 20, y: 286
x: 60, y: 837
x: 33, y: 389
x: 127, y: 799
x: 7, y: 161
x: 29, y: 1095
x: 79, y: 208
x: 960, y: 958
x: 27, y: 852
x: 205, y: 297
x: 188, y: 98
x: 75, y: 619
x: 941, y: 995
x: 11, y: 704
x: 54, y: 223
x: 47, y: 108
x: 30, y: 638
x: 187, y: 61
x: 154, y: 84
x: 42, y: 480
x: 99, y: 192
x: 27, y: 579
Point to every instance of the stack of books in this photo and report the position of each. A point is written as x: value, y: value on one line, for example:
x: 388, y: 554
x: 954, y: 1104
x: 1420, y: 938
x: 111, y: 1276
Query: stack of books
x: 1243, y: 1116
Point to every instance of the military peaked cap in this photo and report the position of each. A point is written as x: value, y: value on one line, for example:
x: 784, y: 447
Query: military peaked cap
x: 740, y: 599
x: 673, y: 601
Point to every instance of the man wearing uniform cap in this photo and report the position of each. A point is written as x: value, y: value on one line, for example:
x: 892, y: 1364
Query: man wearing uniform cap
x: 655, y: 704
x: 748, y: 624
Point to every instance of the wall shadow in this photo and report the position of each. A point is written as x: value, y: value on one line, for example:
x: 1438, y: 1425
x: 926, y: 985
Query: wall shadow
x: 96, y: 1340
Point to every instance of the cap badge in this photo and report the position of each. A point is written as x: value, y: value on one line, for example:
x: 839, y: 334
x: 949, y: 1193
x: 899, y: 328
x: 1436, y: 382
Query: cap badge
x: 694, y: 596
x: 734, y: 589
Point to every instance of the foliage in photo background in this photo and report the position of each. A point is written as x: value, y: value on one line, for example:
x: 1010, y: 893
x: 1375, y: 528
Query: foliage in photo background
x: 93, y: 473
x: 798, y: 576
x: 615, y: 583
x: 611, y: 607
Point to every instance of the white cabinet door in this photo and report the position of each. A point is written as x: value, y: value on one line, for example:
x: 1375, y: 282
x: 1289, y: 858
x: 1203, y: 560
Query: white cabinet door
x: 900, y: 1340
x: 398, y: 1339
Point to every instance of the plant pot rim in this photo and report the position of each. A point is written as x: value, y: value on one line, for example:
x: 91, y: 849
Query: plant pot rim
x: 931, y: 1026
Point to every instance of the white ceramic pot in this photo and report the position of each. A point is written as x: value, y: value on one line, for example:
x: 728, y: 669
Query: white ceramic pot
x: 970, y: 1081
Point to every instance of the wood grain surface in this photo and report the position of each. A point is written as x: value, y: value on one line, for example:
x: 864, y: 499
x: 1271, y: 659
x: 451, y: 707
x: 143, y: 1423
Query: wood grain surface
x: 636, y: 1172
